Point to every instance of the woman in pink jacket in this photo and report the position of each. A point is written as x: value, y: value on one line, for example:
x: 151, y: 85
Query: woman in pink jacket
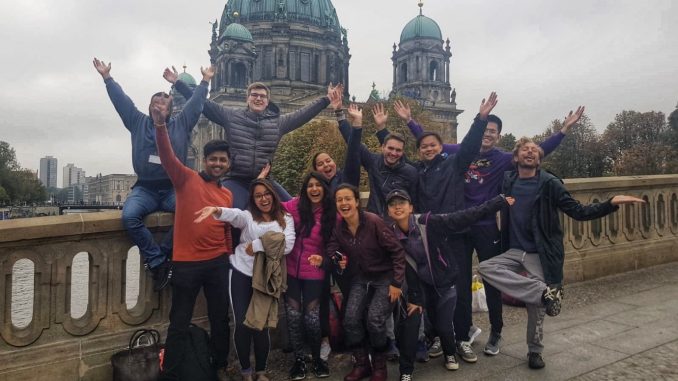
x: 314, y: 213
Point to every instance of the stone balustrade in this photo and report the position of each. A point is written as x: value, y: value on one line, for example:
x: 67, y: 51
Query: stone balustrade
x: 58, y: 343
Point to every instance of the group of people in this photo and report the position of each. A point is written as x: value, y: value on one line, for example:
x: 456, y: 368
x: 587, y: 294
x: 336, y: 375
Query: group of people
x: 403, y: 263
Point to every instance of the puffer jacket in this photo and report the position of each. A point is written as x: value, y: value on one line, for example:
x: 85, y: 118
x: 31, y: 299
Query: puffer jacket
x: 253, y: 138
x: 297, y: 260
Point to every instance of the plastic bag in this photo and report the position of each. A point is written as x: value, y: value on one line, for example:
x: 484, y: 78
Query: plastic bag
x: 478, y: 303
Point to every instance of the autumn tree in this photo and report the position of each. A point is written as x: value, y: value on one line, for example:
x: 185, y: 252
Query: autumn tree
x: 579, y: 154
x: 636, y: 143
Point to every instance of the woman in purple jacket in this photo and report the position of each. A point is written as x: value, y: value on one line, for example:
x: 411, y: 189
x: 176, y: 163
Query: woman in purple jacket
x: 314, y: 213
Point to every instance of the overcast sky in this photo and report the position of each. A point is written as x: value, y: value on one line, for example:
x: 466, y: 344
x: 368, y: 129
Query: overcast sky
x: 542, y: 57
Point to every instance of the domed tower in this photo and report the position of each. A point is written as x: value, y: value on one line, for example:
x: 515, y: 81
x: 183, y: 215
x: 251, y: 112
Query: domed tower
x: 178, y: 101
x: 234, y: 55
x: 421, y: 70
x: 299, y: 46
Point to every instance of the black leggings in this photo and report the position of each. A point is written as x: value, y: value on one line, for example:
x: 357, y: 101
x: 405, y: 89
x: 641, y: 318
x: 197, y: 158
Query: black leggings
x: 241, y: 294
x: 304, y: 293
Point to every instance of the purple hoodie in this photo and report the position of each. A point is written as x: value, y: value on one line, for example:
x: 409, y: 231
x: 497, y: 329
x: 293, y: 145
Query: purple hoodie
x: 486, y: 172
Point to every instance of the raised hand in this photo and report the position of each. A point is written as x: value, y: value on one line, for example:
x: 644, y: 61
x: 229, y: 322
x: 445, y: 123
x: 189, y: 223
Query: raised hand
x: 207, y: 73
x: 572, y: 118
x: 336, y: 96
x: 206, y: 212
x: 264, y: 171
x: 159, y: 113
x: 356, y: 114
x: 622, y: 199
x: 380, y: 116
x: 487, y: 106
x: 403, y: 110
x: 102, y: 68
x: 171, y: 76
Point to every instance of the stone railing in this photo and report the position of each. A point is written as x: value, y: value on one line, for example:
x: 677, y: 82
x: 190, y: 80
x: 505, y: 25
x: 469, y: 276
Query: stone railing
x: 56, y: 342
x: 634, y: 237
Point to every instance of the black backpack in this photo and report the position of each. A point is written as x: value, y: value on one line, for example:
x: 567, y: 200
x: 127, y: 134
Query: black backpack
x: 198, y: 364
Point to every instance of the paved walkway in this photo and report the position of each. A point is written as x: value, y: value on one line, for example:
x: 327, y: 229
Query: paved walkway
x: 620, y: 327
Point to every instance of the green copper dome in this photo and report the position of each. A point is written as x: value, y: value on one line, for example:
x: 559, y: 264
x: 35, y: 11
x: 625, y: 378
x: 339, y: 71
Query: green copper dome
x: 237, y: 32
x: 187, y: 79
x: 314, y: 12
x: 421, y: 27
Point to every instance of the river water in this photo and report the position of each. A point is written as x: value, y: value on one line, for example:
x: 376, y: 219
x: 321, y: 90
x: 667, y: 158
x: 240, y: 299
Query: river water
x: 23, y: 290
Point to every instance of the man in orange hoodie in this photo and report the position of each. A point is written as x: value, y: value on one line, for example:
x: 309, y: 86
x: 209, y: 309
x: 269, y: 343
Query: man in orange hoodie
x: 200, y: 250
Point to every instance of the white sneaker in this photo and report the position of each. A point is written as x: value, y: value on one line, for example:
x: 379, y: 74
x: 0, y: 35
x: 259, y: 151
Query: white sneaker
x: 325, y: 349
x: 473, y: 333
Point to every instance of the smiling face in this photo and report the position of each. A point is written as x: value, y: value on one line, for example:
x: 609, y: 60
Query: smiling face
x: 315, y: 191
x: 263, y: 199
x: 429, y: 147
x: 393, y: 150
x: 325, y: 165
x: 217, y: 164
x: 257, y: 100
x: 490, y: 137
x: 347, y: 203
x: 528, y: 155
x: 399, y: 209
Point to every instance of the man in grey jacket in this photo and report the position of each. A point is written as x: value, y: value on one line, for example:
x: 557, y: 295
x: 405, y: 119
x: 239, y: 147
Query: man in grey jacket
x: 253, y: 133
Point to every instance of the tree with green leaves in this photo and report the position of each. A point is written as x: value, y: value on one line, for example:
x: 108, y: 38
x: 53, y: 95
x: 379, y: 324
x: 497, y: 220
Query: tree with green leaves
x: 17, y: 185
x: 507, y: 142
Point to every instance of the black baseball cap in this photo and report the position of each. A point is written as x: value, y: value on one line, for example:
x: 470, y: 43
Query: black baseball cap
x: 398, y: 193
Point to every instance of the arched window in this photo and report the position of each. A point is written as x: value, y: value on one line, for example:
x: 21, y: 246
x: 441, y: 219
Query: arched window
x: 238, y: 75
x: 433, y: 71
x: 403, y: 73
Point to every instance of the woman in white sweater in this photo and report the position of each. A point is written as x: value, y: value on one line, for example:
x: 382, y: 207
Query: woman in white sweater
x: 264, y: 214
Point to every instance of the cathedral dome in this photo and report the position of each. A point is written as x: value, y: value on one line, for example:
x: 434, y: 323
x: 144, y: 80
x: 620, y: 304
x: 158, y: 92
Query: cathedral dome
x: 421, y: 27
x: 238, y: 32
x: 320, y: 13
x: 187, y: 78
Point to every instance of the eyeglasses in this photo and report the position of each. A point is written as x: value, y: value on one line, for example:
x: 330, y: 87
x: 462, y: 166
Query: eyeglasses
x: 259, y: 196
x: 258, y: 96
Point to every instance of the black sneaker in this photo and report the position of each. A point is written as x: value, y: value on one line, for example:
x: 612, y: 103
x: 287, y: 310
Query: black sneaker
x: 492, y: 345
x: 551, y: 298
x: 298, y: 371
x: 162, y: 275
x: 321, y: 369
x: 534, y: 360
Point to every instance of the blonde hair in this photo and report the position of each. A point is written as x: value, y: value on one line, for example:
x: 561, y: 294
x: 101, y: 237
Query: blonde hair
x: 523, y: 141
x: 258, y: 86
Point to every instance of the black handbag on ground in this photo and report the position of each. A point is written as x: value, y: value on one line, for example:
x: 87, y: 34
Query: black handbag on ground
x: 141, y: 360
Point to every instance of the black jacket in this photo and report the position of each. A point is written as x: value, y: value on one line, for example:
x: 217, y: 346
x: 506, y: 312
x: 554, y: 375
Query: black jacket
x: 440, y: 187
x: 253, y: 138
x: 548, y: 234
x: 442, y: 259
x: 383, y: 178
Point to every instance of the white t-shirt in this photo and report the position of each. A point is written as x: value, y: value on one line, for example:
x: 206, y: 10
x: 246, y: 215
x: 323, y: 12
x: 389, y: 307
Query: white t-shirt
x: 250, y: 232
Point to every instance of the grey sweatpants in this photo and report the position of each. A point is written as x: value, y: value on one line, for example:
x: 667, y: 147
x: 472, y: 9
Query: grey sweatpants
x: 502, y: 272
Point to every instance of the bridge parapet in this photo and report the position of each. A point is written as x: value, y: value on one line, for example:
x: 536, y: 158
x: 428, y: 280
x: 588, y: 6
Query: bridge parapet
x: 57, y: 342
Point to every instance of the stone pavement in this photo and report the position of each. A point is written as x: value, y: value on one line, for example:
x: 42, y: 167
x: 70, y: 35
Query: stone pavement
x: 620, y: 327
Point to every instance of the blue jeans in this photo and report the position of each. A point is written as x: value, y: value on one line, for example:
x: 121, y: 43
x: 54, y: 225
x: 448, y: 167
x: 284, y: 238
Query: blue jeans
x: 240, y: 189
x: 141, y: 202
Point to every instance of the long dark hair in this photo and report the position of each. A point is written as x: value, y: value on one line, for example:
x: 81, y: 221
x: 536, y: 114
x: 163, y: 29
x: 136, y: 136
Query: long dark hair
x: 305, y: 208
x: 277, y: 212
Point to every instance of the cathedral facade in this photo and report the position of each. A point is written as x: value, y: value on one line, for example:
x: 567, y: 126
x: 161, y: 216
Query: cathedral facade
x: 298, y: 47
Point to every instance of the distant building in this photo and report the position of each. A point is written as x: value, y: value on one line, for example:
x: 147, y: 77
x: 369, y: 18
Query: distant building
x: 109, y: 189
x: 74, y: 180
x: 48, y: 171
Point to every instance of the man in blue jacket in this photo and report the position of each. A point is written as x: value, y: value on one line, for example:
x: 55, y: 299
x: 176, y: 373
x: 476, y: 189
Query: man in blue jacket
x: 153, y: 190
